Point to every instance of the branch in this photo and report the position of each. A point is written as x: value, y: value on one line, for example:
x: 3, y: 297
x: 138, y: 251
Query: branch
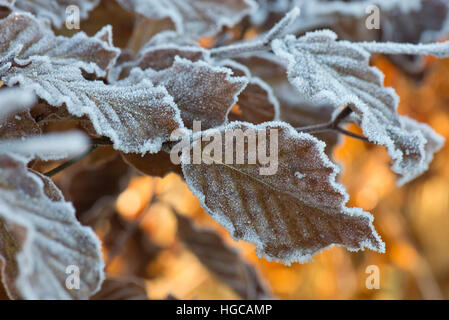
x: 437, y: 49
x: 258, y: 45
x: 69, y: 163
x: 334, y: 126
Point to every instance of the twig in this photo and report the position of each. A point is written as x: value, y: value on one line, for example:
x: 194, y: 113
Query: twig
x: 334, y: 126
x: 69, y: 163
x: 258, y: 45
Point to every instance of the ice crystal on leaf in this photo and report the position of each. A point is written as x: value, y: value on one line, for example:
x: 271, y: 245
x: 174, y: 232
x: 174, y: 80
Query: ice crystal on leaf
x: 40, y: 237
x: 325, y: 70
x: 289, y: 219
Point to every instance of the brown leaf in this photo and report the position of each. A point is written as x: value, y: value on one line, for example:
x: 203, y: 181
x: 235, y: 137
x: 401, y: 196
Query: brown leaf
x: 40, y: 238
x: 257, y: 103
x: 290, y: 215
x: 201, y: 91
x: 222, y: 260
x: 156, y: 165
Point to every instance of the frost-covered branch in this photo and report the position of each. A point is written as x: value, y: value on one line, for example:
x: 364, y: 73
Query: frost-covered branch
x: 334, y: 125
x: 262, y: 44
x: 437, y: 49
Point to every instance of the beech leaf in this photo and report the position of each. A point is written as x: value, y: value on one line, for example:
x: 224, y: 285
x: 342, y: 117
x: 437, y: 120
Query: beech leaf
x: 201, y: 91
x: 51, y: 68
x: 222, y: 260
x: 194, y: 18
x: 40, y: 238
x: 291, y: 215
x: 327, y: 71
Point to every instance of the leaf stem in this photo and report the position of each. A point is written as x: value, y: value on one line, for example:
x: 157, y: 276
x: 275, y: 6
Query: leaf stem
x: 69, y: 163
x: 334, y: 126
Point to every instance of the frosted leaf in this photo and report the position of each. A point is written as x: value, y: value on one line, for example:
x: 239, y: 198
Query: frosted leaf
x: 23, y: 37
x: 52, y: 146
x: 55, y: 10
x: 136, y: 117
x: 257, y: 103
x: 327, y: 71
x: 40, y: 237
x: 287, y: 218
x: 15, y: 100
x: 222, y: 260
x: 201, y: 91
x: 158, y: 58
x: 122, y: 289
x: 194, y: 18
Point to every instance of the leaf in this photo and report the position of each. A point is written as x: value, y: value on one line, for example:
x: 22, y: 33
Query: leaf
x: 86, y: 184
x: 257, y: 102
x: 290, y: 215
x: 24, y: 38
x: 15, y: 100
x: 40, y: 238
x: 222, y: 260
x: 122, y: 289
x: 194, y: 18
x: 327, y: 71
x: 201, y: 91
x: 18, y: 125
x: 149, y: 112
x: 158, y: 58
x: 156, y: 165
x: 55, y: 10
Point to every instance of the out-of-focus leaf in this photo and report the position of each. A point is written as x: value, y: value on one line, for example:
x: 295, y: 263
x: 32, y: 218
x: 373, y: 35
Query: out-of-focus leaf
x: 13, y: 100
x: 327, y: 71
x: 122, y: 289
x: 138, y: 250
x: 194, y: 18
x: 222, y: 260
x: 86, y: 184
x: 56, y: 10
x: 40, y: 238
x: 290, y: 215
x: 18, y: 125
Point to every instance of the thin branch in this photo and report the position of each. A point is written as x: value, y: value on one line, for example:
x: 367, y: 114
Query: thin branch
x: 258, y: 45
x: 101, y: 141
x: 334, y: 126
x: 69, y: 163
